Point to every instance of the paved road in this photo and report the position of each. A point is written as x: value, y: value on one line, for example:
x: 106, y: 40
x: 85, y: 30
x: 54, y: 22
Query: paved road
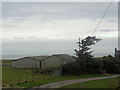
x: 68, y: 82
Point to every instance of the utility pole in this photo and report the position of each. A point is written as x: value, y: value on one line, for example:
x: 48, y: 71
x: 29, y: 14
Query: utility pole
x: 79, y: 44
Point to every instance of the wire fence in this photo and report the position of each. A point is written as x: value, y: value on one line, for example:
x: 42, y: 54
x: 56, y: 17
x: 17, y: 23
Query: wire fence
x: 15, y: 76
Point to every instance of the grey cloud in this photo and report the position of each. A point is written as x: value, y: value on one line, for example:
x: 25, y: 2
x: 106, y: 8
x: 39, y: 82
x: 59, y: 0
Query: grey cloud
x: 47, y: 47
x: 40, y: 47
x: 31, y: 37
x: 51, y: 11
x: 19, y: 38
x: 54, y: 11
x: 4, y: 39
x: 106, y: 30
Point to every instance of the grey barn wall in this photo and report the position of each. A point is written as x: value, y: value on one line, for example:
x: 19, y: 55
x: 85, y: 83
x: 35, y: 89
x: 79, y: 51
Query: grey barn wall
x: 26, y: 63
x: 53, y: 61
x: 50, y: 61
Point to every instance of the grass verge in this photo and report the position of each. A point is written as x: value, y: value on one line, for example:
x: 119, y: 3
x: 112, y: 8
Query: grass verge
x: 104, y: 83
x: 56, y: 79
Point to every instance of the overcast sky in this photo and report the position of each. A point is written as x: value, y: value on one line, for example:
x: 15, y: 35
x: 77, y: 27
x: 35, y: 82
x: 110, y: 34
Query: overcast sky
x: 48, y: 28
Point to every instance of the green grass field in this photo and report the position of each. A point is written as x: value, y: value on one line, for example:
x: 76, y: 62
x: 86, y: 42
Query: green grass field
x: 56, y: 79
x: 104, y: 83
x: 15, y: 76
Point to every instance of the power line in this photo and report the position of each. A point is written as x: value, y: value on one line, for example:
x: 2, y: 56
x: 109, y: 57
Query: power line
x: 102, y: 18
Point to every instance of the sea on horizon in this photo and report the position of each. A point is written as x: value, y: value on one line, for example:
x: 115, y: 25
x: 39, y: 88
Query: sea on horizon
x: 9, y: 57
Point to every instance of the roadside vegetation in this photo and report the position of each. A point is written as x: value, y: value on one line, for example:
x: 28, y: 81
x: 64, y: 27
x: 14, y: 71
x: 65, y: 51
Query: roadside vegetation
x: 56, y: 79
x: 12, y: 78
x: 108, y: 63
x: 104, y: 83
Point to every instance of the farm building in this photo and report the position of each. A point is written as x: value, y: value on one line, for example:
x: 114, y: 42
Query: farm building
x: 43, y: 61
x: 117, y: 53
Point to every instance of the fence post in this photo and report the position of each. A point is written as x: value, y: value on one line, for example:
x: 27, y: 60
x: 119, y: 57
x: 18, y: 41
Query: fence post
x: 19, y: 72
x: 11, y: 77
x: 26, y: 75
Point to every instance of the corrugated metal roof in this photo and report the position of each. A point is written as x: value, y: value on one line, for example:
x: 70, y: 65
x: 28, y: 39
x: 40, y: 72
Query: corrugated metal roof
x: 38, y: 58
x: 65, y: 57
x: 41, y: 58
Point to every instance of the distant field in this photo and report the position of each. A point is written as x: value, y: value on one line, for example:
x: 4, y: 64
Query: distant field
x: 6, y: 62
x: 104, y: 83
